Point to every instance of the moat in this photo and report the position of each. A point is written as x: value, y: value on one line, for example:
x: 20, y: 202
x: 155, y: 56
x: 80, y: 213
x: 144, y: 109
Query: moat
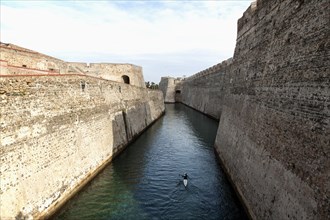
x: 144, y: 181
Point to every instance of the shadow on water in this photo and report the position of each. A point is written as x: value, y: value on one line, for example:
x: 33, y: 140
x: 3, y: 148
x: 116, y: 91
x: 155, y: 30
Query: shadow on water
x: 144, y: 182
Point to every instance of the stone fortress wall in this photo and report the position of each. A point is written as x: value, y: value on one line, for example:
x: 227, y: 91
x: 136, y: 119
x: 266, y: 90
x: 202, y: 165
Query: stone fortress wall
x: 272, y: 100
x: 16, y: 60
x: 110, y: 71
x: 170, y: 88
x: 58, y: 129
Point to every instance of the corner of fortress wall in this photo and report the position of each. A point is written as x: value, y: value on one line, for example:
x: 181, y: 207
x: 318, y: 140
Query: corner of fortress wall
x: 21, y: 61
x: 169, y: 87
x: 59, y: 130
x: 273, y: 104
x: 111, y: 71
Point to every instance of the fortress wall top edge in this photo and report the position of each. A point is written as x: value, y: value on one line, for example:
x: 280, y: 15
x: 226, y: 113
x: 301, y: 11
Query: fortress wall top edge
x: 17, y: 60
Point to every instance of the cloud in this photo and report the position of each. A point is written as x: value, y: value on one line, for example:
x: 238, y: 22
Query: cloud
x: 184, y: 36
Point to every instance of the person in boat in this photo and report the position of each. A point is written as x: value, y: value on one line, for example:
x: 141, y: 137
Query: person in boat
x: 185, y: 179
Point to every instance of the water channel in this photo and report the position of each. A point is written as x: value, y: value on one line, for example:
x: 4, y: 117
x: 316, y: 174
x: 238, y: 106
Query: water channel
x: 144, y: 181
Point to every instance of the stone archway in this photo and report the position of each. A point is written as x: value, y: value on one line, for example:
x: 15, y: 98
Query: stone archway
x: 126, y: 79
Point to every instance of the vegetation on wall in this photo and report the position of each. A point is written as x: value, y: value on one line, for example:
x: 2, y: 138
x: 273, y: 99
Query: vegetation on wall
x: 151, y: 85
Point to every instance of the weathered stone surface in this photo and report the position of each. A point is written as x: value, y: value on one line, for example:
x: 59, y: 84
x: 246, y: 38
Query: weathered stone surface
x: 15, y: 60
x: 273, y: 103
x: 110, y: 71
x: 56, y: 134
x: 171, y: 88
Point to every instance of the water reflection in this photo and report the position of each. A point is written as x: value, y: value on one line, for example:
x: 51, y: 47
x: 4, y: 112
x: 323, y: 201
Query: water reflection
x: 144, y: 181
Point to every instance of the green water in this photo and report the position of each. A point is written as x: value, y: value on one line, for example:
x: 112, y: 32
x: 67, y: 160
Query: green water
x: 144, y: 181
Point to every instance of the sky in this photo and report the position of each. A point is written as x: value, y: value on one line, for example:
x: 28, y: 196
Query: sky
x: 167, y: 38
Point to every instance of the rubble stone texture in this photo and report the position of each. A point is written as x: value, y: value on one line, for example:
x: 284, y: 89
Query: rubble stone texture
x: 272, y: 100
x: 59, y: 128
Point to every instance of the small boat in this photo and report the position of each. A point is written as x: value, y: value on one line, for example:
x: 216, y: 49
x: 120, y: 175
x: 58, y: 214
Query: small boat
x: 185, y: 182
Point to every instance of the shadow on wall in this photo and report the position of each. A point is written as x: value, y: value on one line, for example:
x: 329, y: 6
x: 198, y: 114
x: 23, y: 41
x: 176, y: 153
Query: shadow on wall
x: 128, y: 124
x: 144, y: 108
x: 119, y: 133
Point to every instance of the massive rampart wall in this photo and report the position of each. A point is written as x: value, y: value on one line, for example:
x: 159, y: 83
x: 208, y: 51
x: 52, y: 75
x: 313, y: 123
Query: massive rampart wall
x: 273, y: 103
x: 58, y: 131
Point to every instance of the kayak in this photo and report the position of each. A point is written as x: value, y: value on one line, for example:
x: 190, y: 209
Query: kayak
x: 185, y: 182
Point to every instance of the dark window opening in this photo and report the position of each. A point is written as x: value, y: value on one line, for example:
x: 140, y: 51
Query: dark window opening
x: 83, y: 85
x: 178, y: 91
x: 125, y: 79
x: 23, y: 65
x: 51, y: 69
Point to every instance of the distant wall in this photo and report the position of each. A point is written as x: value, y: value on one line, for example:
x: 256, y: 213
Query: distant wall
x: 16, y: 60
x: 170, y: 87
x: 273, y: 103
x: 167, y: 87
x: 206, y: 90
x: 110, y: 71
x: 58, y: 131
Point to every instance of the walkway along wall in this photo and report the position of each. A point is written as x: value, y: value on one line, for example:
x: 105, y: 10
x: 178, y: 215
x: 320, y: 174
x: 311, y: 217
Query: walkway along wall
x: 273, y: 104
x: 57, y: 131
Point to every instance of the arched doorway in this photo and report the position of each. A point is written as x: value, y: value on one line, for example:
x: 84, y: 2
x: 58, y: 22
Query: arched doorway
x: 125, y: 79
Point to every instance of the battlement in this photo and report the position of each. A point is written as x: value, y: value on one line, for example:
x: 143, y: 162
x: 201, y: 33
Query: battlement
x: 211, y: 70
x: 247, y: 15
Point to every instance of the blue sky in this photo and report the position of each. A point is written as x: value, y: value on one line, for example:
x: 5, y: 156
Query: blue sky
x: 166, y: 38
